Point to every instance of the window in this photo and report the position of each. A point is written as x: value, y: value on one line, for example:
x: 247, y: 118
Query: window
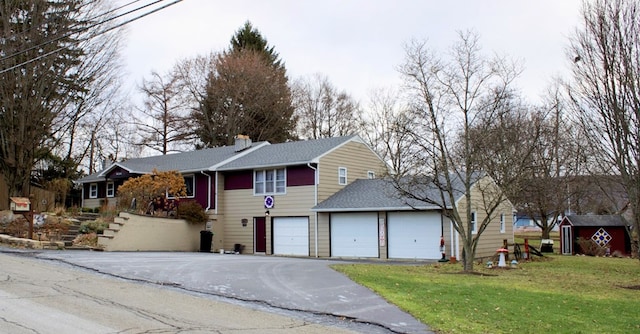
x: 342, y: 175
x: 269, y: 181
x: 474, y: 222
x: 371, y: 175
x: 93, y: 190
x: 190, y: 185
x: 190, y: 182
x: 502, y: 225
x: 110, y: 189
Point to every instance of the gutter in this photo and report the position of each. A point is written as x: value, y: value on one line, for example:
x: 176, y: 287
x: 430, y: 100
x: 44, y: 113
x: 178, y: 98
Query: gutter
x: 315, y: 200
x: 208, y: 191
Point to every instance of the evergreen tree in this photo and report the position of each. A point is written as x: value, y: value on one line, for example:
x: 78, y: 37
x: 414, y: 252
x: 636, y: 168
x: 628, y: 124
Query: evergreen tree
x: 249, y: 38
x: 247, y: 92
x: 39, y: 51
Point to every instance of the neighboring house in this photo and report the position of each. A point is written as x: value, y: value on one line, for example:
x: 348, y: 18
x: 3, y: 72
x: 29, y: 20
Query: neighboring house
x: 525, y: 222
x: 369, y: 218
x: 608, y: 231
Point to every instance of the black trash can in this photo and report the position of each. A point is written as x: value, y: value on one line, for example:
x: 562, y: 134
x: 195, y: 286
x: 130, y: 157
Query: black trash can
x: 205, y: 241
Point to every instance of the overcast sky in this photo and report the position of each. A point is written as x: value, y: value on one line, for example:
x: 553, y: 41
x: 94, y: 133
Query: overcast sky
x: 358, y: 44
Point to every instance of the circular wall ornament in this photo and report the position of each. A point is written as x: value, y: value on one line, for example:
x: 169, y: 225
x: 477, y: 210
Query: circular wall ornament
x: 268, y: 202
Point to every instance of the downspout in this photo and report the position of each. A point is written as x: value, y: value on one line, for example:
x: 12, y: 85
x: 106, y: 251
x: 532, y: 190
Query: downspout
x: 315, y: 200
x: 208, y: 191
x: 215, y: 201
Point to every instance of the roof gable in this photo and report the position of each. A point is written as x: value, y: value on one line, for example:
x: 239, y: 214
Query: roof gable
x: 289, y: 153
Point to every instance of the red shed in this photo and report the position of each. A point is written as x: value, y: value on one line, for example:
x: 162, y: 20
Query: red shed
x: 608, y: 231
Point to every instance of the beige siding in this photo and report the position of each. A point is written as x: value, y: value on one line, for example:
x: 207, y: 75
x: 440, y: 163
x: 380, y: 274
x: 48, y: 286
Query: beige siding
x: 324, y: 242
x: 382, y: 226
x: 492, y: 238
x: 242, y: 204
x: 91, y: 203
x: 356, y: 157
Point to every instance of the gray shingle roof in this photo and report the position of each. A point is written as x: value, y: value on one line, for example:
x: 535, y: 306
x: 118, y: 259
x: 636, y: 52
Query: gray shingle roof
x: 261, y: 154
x: 381, y: 194
x: 198, y: 160
x: 296, y: 152
x: 597, y: 220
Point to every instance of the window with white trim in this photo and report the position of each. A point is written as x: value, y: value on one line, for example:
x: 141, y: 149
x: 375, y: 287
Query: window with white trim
x: 93, y: 190
x: 502, y: 223
x: 269, y: 181
x: 190, y: 186
x: 190, y: 182
x: 342, y: 175
x: 474, y: 222
x: 371, y: 175
x: 111, y: 189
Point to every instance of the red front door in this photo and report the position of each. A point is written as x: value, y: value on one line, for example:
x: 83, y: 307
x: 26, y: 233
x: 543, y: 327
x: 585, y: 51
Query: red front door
x: 260, y: 234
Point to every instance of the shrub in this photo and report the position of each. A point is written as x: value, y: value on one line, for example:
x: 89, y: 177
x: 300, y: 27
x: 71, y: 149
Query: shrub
x: 149, y: 186
x: 192, y: 212
x: 89, y: 239
x: 590, y: 247
x: 59, y: 211
x: 93, y: 227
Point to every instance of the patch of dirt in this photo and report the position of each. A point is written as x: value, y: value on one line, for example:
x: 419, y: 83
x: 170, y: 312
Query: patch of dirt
x: 476, y: 273
x: 630, y: 287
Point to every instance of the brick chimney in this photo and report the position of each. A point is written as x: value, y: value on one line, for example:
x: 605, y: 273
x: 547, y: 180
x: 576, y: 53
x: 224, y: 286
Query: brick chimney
x: 242, y: 142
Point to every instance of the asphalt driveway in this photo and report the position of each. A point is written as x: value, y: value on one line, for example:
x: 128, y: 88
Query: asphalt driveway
x: 307, y: 285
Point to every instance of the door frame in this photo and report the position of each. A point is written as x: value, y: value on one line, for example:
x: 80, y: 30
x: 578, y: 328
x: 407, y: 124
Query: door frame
x: 567, y: 240
x: 260, y: 234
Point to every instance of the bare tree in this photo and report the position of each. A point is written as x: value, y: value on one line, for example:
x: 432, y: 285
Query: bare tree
x: 324, y: 111
x: 449, y: 97
x: 163, y: 123
x: 605, y: 90
x: 388, y: 131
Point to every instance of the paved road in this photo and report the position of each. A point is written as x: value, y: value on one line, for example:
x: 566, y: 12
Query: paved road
x: 41, y: 297
x: 306, y: 287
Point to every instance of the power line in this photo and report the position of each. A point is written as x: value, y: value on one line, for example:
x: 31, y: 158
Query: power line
x: 49, y: 19
x: 76, y: 31
x: 87, y: 38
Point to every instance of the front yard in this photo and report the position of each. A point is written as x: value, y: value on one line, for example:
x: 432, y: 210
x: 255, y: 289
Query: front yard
x: 558, y: 294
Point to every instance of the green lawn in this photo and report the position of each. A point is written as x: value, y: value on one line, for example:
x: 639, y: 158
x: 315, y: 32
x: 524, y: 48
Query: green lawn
x: 563, y: 294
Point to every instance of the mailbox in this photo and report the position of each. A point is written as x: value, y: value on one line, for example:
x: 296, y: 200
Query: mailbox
x: 20, y: 204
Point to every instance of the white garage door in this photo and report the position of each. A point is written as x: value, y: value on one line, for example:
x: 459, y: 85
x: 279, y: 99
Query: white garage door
x: 354, y: 234
x: 291, y: 236
x: 414, y: 235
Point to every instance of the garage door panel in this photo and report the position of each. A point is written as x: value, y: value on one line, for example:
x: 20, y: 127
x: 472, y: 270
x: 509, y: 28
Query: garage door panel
x: 291, y: 236
x: 414, y: 235
x: 354, y: 235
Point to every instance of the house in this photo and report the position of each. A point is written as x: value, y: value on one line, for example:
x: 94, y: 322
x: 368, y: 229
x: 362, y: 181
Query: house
x: 313, y: 198
x: 370, y: 218
x: 607, y: 231
x: 257, y: 195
